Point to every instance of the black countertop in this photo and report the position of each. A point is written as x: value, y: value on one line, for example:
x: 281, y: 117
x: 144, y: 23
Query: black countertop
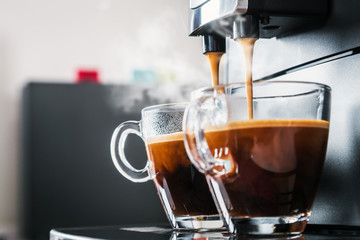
x: 149, y: 232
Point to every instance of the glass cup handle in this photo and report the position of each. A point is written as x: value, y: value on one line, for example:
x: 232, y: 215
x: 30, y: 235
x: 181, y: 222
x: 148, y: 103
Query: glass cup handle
x: 118, y: 156
x: 206, y: 111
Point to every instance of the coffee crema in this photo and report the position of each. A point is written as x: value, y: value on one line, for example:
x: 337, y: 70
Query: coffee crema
x: 273, y: 166
x: 178, y: 180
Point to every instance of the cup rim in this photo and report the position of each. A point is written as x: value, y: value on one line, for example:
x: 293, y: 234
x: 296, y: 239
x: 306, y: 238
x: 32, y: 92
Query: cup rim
x: 261, y: 82
x: 166, y: 107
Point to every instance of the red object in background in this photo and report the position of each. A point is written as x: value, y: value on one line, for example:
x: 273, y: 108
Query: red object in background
x: 87, y: 76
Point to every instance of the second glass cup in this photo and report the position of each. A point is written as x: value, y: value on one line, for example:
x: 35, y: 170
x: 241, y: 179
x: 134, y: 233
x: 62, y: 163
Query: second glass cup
x: 182, y: 189
x: 264, y: 169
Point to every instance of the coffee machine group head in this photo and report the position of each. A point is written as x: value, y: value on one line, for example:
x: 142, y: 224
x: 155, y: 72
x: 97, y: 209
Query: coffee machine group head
x: 215, y: 20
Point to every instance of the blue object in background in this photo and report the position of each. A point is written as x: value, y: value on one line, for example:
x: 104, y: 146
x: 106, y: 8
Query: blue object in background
x: 143, y: 76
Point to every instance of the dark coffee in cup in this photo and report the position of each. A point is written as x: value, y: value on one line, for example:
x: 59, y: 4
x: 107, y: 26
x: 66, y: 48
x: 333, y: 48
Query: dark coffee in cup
x: 183, y: 191
x: 184, y: 186
x: 274, y: 166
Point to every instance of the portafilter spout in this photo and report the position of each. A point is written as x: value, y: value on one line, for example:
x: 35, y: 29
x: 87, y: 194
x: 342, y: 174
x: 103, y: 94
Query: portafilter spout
x: 246, y: 26
x: 213, y: 43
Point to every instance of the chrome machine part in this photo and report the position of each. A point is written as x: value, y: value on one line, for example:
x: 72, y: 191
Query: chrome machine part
x: 254, y: 18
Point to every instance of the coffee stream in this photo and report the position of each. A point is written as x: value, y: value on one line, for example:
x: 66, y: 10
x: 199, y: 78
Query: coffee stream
x: 214, y: 58
x: 247, y: 45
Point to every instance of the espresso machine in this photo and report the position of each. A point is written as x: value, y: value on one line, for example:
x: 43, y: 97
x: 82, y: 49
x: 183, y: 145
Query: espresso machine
x: 305, y: 40
x: 215, y: 20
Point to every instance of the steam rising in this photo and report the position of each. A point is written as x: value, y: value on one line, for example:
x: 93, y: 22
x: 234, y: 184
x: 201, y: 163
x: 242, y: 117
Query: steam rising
x: 162, y: 44
x: 159, y: 44
x: 133, y: 98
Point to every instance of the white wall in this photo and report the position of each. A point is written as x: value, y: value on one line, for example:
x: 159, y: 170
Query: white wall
x: 49, y: 39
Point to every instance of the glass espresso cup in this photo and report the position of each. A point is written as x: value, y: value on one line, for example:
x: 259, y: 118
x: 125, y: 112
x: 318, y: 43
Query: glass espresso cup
x: 263, y: 172
x: 182, y: 189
